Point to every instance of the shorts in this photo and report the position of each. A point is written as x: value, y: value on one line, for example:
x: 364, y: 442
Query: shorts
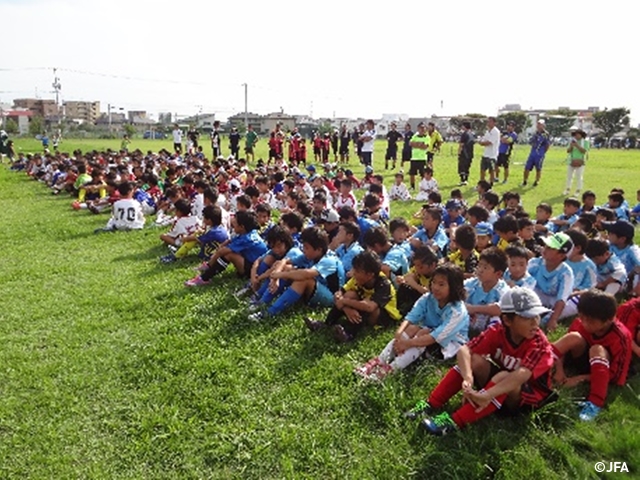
x: 247, y: 269
x: 534, y: 393
x: 248, y: 150
x: 216, y: 152
x: 534, y: 161
x: 321, y: 297
x: 503, y: 160
x: 417, y: 166
x: 367, y: 158
x: 273, y: 153
x: 392, y: 153
x: 316, y: 150
x: 177, y: 147
x: 383, y: 320
x: 487, y: 163
x: 406, y: 154
x: 344, y: 149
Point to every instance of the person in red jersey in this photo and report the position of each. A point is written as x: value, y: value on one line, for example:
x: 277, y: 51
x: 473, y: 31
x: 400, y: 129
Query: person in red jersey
x: 507, y: 366
x: 629, y: 316
x: 598, y: 346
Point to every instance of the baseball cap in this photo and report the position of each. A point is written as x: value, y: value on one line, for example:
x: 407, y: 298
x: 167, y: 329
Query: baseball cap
x: 234, y: 184
x: 330, y: 216
x: 484, y: 228
x: 522, y: 301
x: 311, y: 168
x: 368, y: 169
x: 620, y: 228
x: 541, y: 121
x: 453, y: 204
x: 560, y: 241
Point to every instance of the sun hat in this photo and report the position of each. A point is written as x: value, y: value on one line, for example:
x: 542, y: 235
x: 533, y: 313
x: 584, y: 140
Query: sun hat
x: 522, y: 301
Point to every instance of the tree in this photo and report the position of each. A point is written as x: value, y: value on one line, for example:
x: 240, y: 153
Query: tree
x: 558, y: 122
x: 478, y: 122
x: 129, y: 130
x: 11, y: 127
x: 611, y: 121
x: 633, y: 134
x: 36, y: 126
x: 522, y: 122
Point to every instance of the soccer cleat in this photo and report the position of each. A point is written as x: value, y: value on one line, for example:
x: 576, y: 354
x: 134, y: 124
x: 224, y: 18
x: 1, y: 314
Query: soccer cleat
x: 504, y: 181
x: 589, y: 411
x: 242, y: 292
x: 565, y: 193
x: 255, y: 306
x: 173, y: 248
x: 256, y: 316
x: 523, y: 184
x: 340, y: 334
x: 168, y: 258
x: 420, y: 409
x: 314, y: 325
x: 196, y: 282
x: 366, y: 369
x: 535, y: 184
x: 76, y: 205
x: 379, y: 372
x: 202, y: 267
x: 439, y: 425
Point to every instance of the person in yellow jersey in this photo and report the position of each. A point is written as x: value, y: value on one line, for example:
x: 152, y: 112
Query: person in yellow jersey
x: 435, y: 142
x: 419, y: 145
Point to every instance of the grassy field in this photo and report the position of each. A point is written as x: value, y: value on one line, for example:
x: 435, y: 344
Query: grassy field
x: 112, y: 369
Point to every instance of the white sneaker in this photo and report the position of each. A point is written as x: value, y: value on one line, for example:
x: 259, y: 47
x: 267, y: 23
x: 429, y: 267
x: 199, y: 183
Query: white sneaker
x: 256, y: 317
x: 565, y: 193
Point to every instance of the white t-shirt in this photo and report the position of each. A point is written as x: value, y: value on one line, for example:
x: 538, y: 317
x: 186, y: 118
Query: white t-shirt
x: 197, y: 205
x: 368, y: 146
x: 177, y: 136
x: 184, y: 226
x: 493, y: 136
x: 127, y: 215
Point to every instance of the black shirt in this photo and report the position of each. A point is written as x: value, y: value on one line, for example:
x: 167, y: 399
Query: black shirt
x: 407, y: 140
x: 234, y: 139
x: 393, y: 136
x: 467, y: 140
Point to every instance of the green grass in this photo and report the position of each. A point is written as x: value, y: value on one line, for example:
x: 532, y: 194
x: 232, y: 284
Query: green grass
x: 112, y: 369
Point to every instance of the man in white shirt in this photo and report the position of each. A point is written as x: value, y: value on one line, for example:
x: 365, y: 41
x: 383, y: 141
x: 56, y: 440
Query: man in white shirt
x: 368, y: 138
x: 177, y: 138
x: 491, y: 143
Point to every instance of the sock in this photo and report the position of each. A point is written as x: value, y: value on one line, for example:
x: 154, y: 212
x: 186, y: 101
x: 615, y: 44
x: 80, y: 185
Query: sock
x: 284, y: 301
x: 262, y: 267
x: 467, y: 413
x: 447, y: 388
x: 599, y: 380
x: 555, y: 352
x: 218, y: 267
x: 334, y: 316
x: 264, y: 287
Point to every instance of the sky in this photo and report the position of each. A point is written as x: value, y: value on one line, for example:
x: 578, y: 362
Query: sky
x: 331, y: 58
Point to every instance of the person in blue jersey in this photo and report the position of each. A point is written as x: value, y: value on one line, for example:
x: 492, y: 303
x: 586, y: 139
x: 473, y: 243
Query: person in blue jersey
x: 241, y: 251
x: 431, y: 233
x: 438, y: 323
x: 394, y: 259
x: 611, y: 274
x: 313, y: 278
x: 347, y: 245
x: 517, y: 274
x: 620, y: 235
x: 348, y: 214
x: 554, y: 278
x: 563, y: 222
x: 540, y: 143
x: 585, y: 274
x: 507, y: 141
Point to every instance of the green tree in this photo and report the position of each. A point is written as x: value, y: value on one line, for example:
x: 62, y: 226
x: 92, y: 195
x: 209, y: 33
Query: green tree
x: 477, y: 120
x: 36, y: 126
x: 558, y: 122
x: 522, y: 122
x: 325, y: 127
x: 11, y: 127
x: 129, y: 130
x: 633, y: 134
x: 611, y: 121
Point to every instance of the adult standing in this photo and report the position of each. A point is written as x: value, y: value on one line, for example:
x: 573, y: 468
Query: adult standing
x: 177, y: 138
x: 491, y: 142
x: 504, y: 151
x: 192, y: 138
x: 345, y: 138
x: 335, y: 139
x: 215, y: 140
x: 419, y: 146
x: 406, y: 148
x: 465, y: 152
x: 540, y: 143
x: 578, y: 151
x: 234, y: 142
x: 368, y: 138
x: 251, y: 139
x: 435, y: 142
x: 357, y: 143
x: 393, y: 136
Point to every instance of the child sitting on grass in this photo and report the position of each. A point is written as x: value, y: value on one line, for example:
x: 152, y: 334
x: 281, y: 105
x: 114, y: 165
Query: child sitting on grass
x: 399, y: 190
x: 347, y: 244
x: 241, y: 251
x: 209, y: 241
x: 368, y: 298
x: 517, y: 274
x: 629, y: 316
x: 127, y: 212
x: 416, y: 282
x: 438, y: 323
x: 485, y: 290
x: 599, y: 346
x: 394, y: 258
x: 585, y: 274
x: 431, y: 233
x: 508, y: 366
x: 611, y: 275
x: 184, y: 224
x: 427, y: 185
x: 313, y: 277
x: 620, y: 235
x: 465, y: 256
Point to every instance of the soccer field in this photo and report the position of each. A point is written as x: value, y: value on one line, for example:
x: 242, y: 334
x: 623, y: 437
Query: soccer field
x: 112, y: 369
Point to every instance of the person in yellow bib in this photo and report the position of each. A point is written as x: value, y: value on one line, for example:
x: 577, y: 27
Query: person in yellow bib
x: 576, y: 158
x: 435, y: 142
x: 419, y: 146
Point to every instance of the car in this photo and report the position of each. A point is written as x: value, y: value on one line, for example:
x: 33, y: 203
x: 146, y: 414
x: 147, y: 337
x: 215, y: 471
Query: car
x: 155, y: 135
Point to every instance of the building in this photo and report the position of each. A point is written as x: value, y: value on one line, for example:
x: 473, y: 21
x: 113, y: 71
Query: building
x: 132, y: 115
x: 21, y: 117
x: 45, y: 108
x: 84, y: 111
x: 253, y: 119
x: 269, y: 122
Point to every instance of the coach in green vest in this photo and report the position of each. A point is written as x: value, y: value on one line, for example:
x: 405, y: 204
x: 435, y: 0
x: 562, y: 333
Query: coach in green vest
x: 576, y: 159
x: 419, y: 145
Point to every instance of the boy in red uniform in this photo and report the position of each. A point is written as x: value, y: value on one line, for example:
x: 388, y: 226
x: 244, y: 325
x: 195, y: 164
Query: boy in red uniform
x: 629, y: 316
x: 597, y: 343
x: 510, y: 363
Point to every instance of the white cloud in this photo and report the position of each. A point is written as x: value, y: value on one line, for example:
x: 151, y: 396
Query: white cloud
x: 351, y: 58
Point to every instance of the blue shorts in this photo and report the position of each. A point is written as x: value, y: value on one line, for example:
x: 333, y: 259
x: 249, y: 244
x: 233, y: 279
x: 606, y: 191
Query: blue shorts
x: 322, y: 296
x: 534, y: 161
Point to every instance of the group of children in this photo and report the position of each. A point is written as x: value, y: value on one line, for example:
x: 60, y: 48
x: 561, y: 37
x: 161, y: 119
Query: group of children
x: 473, y: 282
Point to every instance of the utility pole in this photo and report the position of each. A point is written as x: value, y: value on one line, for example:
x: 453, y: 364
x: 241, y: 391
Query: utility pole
x: 246, y: 102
